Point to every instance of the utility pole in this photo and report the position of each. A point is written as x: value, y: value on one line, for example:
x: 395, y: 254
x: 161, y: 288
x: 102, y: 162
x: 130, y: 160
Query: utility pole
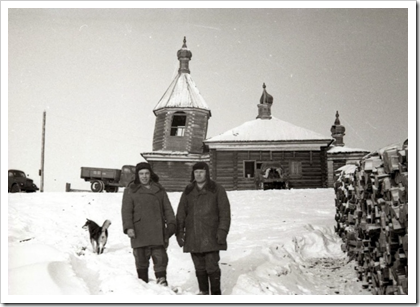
x: 41, y: 171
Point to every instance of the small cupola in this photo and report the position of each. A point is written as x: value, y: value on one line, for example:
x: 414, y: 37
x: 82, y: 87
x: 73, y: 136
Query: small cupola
x: 337, y: 131
x: 184, y: 56
x: 264, y: 107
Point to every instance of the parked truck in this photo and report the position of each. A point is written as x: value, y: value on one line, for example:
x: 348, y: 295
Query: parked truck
x: 108, y: 179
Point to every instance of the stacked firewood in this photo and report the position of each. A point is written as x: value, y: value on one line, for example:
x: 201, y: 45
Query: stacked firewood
x: 371, y: 214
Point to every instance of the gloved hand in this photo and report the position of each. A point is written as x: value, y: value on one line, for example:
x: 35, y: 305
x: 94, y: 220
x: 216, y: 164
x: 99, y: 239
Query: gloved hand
x: 170, y: 230
x: 180, y: 239
x: 131, y: 233
x: 221, y: 236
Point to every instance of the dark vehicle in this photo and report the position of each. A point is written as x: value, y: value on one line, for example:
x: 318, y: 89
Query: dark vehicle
x: 108, y: 179
x: 18, y: 182
x: 272, y: 176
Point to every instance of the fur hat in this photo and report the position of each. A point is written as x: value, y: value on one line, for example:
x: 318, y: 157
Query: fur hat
x: 201, y: 165
x: 145, y: 165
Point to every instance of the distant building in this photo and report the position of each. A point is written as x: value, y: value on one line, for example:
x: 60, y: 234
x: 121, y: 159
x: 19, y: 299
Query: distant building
x: 236, y: 156
x: 339, y: 155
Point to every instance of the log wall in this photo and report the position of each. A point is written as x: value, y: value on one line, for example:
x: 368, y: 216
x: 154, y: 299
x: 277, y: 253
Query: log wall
x: 228, y: 167
x: 195, y: 131
x: 372, y: 219
x: 173, y: 176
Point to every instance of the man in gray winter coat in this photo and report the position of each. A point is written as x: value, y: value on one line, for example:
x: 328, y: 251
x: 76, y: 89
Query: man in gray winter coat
x: 203, y: 221
x: 149, y: 220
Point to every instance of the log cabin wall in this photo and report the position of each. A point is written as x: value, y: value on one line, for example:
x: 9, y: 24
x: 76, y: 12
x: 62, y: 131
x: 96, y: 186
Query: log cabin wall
x: 159, y: 132
x: 192, y: 140
x: 197, y: 129
x: 174, y: 176
x: 228, y: 167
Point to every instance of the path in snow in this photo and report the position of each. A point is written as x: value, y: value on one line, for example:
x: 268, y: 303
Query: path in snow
x: 344, y: 283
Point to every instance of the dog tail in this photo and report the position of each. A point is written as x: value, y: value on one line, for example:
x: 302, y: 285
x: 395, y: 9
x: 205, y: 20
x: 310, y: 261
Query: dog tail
x: 106, y: 224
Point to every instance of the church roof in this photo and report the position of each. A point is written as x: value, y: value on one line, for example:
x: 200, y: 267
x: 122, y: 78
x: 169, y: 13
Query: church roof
x: 182, y: 93
x: 258, y: 130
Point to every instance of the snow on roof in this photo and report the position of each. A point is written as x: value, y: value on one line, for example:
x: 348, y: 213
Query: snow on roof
x: 182, y: 93
x: 343, y: 149
x: 272, y: 129
x: 381, y: 151
x: 397, y: 146
x: 348, y: 169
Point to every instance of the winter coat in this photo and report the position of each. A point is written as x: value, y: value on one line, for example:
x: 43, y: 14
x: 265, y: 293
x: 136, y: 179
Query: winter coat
x: 148, y: 212
x: 200, y: 214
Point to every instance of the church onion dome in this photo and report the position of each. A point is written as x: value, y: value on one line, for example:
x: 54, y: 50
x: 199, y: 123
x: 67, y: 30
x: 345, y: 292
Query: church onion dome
x: 337, y: 128
x: 184, y: 52
x: 264, y: 107
x: 266, y: 98
x: 184, y: 56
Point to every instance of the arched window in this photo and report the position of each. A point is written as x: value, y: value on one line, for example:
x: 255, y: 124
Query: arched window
x: 178, y: 124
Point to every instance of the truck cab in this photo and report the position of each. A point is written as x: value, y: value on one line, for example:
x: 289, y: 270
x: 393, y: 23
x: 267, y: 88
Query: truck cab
x: 18, y: 182
x: 128, y: 174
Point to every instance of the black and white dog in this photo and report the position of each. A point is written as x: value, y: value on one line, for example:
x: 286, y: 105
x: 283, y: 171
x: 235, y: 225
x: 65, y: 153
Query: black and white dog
x: 98, y: 235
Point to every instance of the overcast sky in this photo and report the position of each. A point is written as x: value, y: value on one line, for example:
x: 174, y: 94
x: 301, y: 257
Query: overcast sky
x: 98, y: 73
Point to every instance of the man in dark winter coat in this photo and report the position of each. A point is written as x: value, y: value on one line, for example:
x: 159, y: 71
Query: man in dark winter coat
x: 203, y: 221
x: 149, y: 220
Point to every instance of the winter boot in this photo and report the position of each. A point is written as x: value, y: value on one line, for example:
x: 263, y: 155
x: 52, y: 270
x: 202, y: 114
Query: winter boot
x: 215, y: 283
x: 143, y: 274
x: 161, y: 278
x: 203, y: 282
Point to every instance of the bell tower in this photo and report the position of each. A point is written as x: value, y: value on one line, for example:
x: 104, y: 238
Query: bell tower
x: 181, y: 124
x: 181, y: 114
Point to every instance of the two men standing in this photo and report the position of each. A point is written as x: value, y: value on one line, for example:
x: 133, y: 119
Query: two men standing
x: 202, y: 224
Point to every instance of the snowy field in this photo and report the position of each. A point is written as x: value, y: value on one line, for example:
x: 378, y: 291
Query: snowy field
x: 281, y: 248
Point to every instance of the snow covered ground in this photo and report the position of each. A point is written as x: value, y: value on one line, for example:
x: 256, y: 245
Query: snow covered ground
x: 281, y: 248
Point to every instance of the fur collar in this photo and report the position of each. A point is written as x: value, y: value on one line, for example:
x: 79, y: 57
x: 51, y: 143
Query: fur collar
x: 209, y: 186
x: 155, y: 187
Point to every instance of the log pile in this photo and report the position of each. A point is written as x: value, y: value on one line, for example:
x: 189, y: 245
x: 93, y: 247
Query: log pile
x: 371, y: 214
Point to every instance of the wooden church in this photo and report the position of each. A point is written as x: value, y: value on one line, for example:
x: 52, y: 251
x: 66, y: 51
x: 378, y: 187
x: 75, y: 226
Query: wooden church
x: 235, y: 157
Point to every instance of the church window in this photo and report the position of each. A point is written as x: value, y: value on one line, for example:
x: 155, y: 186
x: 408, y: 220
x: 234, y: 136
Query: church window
x: 295, y: 168
x: 178, y: 124
x: 249, y: 169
